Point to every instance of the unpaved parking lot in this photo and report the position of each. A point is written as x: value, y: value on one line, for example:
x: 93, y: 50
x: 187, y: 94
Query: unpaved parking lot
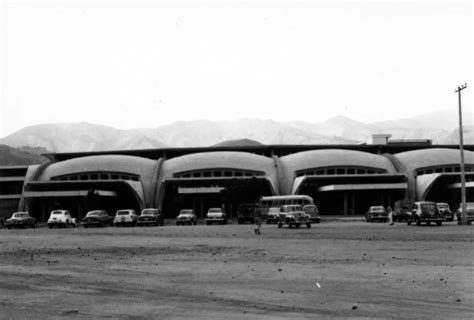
x: 333, y: 270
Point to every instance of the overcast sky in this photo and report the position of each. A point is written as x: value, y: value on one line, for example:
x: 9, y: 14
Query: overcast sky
x: 132, y: 65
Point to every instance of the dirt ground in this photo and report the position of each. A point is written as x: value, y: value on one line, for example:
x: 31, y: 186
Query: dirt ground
x: 333, y: 270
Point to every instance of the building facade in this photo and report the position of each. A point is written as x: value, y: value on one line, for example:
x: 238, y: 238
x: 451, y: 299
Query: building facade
x: 342, y: 179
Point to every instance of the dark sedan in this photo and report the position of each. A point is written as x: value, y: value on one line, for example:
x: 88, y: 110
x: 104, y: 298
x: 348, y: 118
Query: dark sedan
x: 150, y: 216
x: 98, y: 218
x: 20, y: 220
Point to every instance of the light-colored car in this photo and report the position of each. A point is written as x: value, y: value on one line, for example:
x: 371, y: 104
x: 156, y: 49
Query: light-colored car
x: 272, y: 215
x: 125, y: 217
x: 186, y: 216
x: 61, y: 218
x: 150, y: 216
x: 20, y: 220
x: 313, y: 212
x: 98, y: 218
x: 293, y: 215
x: 376, y: 213
x: 216, y: 215
x: 469, y: 212
x: 426, y: 211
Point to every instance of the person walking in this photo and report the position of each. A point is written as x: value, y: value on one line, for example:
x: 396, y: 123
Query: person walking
x: 390, y: 216
x: 257, y: 219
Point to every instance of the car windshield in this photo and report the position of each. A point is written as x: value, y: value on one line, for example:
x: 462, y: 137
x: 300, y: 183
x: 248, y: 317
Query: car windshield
x: 150, y: 212
x: 123, y: 213
x: 20, y: 215
x: 442, y: 206
x: 290, y: 208
x: 215, y: 210
x: 93, y: 213
x: 57, y: 212
x: 428, y: 206
x: 377, y: 209
x: 186, y: 211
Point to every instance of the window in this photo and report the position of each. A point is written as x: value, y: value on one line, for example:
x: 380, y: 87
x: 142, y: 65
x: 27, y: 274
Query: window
x: 114, y: 177
x: 340, y: 171
x: 350, y: 171
x: 217, y: 173
x: 330, y: 171
x: 360, y: 171
x: 207, y: 174
x: 197, y: 174
x: 239, y: 174
x: 228, y: 173
x: 84, y: 177
x: 135, y: 179
x: 94, y: 177
x: 104, y: 176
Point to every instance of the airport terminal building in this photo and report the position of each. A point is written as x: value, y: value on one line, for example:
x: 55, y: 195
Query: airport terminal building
x: 342, y: 179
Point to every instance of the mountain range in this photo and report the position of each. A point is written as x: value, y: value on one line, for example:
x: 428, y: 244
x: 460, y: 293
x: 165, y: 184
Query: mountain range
x: 441, y: 127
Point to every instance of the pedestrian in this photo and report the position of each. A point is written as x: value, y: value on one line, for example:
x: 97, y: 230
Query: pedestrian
x: 258, y: 220
x: 390, y: 216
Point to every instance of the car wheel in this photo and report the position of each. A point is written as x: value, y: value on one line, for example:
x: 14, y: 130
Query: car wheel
x: 308, y: 225
x: 86, y: 226
x: 439, y: 223
x: 418, y: 222
x: 9, y: 228
x: 428, y: 223
x: 208, y: 222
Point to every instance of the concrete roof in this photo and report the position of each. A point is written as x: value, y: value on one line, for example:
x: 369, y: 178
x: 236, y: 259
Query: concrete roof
x: 335, y: 157
x: 224, y: 159
x: 103, y: 163
x: 412, y: 160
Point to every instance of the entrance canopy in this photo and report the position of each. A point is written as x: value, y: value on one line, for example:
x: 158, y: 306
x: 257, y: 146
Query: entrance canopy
x: 70, y: 193
x: 350, y: 182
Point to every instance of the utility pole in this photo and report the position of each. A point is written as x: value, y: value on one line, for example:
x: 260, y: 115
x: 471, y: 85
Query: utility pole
x: 461, y: 148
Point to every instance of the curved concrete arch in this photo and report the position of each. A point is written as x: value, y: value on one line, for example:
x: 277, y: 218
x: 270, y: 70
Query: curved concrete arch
x: 326, y: 158
x: 145, y: 168
x: 222, y: 160
x: 410, y: 161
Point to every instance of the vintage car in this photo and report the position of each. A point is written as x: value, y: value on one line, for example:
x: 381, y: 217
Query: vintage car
x: 425, y: 211
x: 150, y: 216
x: 293, y: 215
x: 186, y: 216
x: 272, y: 215
x: 469, y: 213
x: 98, y: 218
x: 403, y: 209
x: 376, y: 213
x: 216, y: 215
x: 246, y: 213
x: 61, y: 218
x: 446, y: 210
x: 20, y: 220
x: 125, y: 217
x: 313, y: 212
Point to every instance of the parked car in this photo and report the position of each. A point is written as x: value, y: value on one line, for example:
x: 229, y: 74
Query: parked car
x: 376, y: 213
x: 426, y: 211
x: 98, y: 218
x: 446, y: 210
x: 186, y: 216
x: 125, y: 217
x: 216, y: 215
x: 469, y: 212
x: 272, y: 215
x: 61, y: 218
x: 150, y: 216
x: 293, y: 215
x: 20, y: 220
x: 313, y: 212
x: 402, y: 210
x: 246, y: 213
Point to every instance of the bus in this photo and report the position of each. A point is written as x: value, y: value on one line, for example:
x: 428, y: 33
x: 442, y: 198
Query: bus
x: 266, y: 203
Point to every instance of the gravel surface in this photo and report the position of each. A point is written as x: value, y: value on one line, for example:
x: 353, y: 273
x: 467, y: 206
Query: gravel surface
x: 333, y: 270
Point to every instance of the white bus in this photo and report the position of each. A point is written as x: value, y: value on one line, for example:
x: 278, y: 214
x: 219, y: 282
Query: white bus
x: 266, y: 203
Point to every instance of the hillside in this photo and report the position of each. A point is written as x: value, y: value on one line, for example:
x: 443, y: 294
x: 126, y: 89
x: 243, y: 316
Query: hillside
x: 15, y: 157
